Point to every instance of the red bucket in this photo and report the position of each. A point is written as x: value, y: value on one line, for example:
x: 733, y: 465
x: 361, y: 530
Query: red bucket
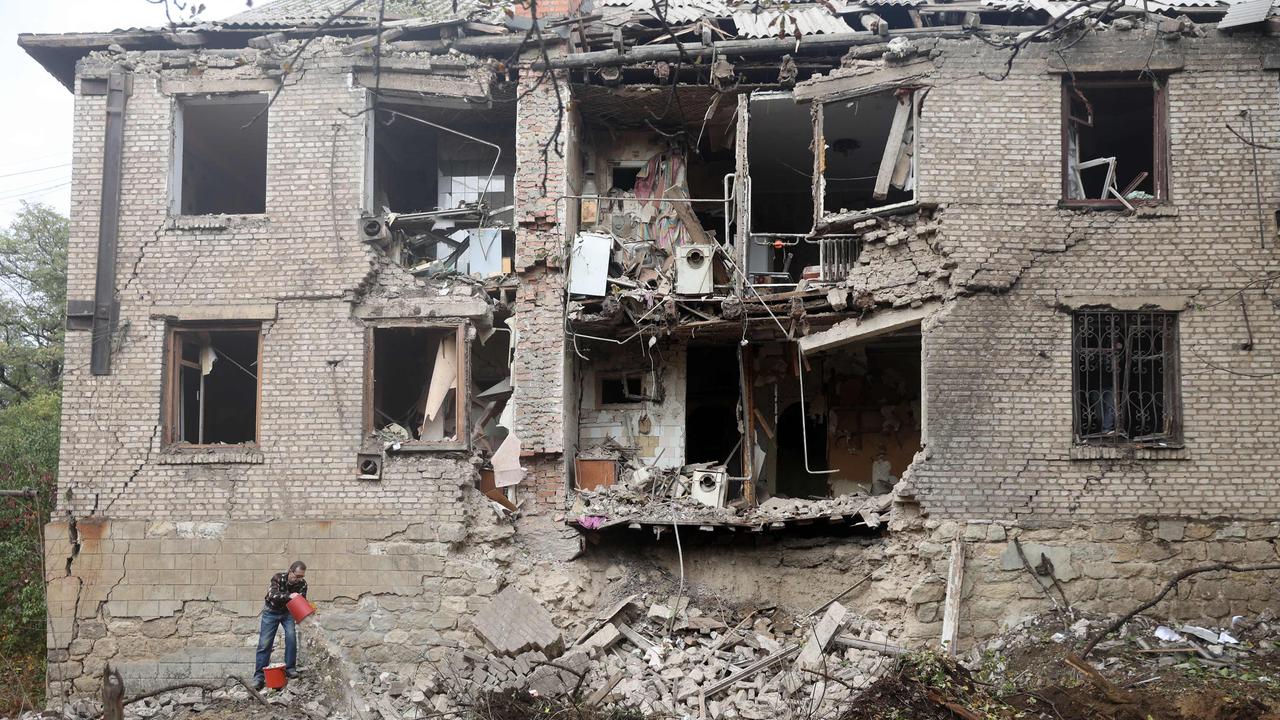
x: 275, y: 677
x: 300, y: 608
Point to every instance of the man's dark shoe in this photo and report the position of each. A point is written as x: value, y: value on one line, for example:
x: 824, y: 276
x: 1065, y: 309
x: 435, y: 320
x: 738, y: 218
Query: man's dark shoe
x: 259, y: 684
x: 291, y: 674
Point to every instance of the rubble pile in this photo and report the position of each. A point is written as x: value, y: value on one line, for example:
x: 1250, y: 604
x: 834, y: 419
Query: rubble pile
x: 670, y: 659
x: 301, y: 698
x: 1144, y: 646
x: 631, y: 503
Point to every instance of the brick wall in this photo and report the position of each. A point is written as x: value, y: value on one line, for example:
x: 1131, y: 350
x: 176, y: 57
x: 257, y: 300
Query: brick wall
x: 155, y: 532
x: 999, y: 361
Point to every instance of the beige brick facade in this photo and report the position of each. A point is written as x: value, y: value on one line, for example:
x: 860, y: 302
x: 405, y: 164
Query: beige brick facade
x: 157, y: 559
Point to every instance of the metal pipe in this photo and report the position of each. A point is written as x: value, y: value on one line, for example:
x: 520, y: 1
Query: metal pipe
x: 25, y: 492
x: 804, y: 425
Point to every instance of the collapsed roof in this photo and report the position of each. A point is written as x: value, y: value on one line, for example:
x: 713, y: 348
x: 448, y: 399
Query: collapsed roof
x: 500, y: 25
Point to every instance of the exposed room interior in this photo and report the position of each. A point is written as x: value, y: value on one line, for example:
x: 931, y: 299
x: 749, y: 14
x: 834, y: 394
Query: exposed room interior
x: 861, y: 416
x: 444, y: 177
x: 414, y: 384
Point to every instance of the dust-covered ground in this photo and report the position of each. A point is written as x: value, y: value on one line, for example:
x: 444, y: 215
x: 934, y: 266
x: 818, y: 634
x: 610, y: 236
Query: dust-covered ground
x: 1148, y: 670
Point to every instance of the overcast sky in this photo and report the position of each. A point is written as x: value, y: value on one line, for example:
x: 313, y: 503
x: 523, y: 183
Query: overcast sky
x: 35, y: 125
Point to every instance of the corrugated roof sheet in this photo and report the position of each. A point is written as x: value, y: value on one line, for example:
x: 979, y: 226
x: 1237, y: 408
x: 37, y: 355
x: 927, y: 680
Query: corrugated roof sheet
x: 684, y: 11
x: 1245, y: 12
x: 292, y: 12
x: 776, y: 23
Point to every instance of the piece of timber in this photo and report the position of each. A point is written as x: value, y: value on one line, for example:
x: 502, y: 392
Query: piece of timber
x: 749, y: 671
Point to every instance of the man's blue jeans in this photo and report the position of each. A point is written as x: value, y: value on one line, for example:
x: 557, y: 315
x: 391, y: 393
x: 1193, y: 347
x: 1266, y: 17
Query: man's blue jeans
x: 271, y: 620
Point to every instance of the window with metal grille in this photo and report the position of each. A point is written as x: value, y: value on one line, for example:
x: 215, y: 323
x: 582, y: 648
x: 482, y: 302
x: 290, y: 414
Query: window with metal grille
x: 1125, y: 368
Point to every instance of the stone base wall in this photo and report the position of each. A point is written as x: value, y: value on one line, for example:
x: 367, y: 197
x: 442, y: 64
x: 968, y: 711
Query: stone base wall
x: 1108, y: 569
x: 166, y: 601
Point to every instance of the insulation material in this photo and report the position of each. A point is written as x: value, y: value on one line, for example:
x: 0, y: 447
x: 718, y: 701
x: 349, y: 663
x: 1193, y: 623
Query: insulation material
x: 444, y: 378
x: 506, y: 463
x: 207, y: 357
x: 589, y: 264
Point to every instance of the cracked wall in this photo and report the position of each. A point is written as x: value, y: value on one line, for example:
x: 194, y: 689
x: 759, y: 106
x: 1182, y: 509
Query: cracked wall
x: 999, y: 356
x: 158, y: 560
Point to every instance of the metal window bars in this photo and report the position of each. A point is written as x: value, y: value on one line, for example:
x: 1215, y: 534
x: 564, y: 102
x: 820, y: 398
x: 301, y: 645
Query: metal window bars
x: 1125, y: 376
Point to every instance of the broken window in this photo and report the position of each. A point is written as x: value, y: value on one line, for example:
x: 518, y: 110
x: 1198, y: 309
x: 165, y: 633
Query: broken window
x: 1114, y: 141
x: 412, y: 391
x: 220, y: 155
x: 447, y: 175
x: 868, y: 145
x: 623, y: 176
x: 621, y: 389
x: 212, y: 385
x: 431, y: 158
x: 1125, y: 366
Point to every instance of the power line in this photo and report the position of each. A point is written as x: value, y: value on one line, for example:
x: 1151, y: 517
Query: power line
x: 34, y: 191
x: 35, y: 170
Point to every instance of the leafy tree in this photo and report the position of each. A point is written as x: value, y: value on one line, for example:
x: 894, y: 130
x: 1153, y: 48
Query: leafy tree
x: 33, y: 278
x: 33, y: 290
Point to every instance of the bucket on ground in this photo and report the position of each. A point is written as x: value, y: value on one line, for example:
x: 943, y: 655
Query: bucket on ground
x: 275, y: 677
x: 300, y: 608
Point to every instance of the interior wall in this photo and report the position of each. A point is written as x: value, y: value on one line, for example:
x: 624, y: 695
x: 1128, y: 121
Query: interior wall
x: 863, y: 404
x: 663, y: 444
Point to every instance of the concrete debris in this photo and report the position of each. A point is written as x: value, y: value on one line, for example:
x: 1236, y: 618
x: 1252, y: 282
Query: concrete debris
x: 671, y: 673
x: 627, y: 504
x: 515, y: 622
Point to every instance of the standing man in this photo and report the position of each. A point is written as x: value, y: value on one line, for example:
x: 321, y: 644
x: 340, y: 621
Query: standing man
x: 284, y: 586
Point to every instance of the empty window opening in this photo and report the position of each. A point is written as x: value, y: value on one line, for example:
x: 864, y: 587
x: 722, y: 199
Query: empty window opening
x: 419, y: 167
x: 780, y: 157
x: 1114, y: 141
x: 621, y: 389
x: 222, y: 155
x: 414, y: 394
x: 868, y: 146
x: 213, y: 386
x: 624, y: 176
x: 862, y: 417
x: 712, y: 396
x: 1126, y: 376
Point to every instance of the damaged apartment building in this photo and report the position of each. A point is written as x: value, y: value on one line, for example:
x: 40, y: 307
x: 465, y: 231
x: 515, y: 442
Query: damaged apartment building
x: 766, y: 296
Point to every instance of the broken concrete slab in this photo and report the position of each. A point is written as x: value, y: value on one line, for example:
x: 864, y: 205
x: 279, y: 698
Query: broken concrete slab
x: 819, y: 637
x: 860, y: 329
x: 516, y: 622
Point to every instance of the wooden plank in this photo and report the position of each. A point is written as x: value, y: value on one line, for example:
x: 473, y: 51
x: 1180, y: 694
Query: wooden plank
x: 104, y: 301
x: 598, y: 696
x: 892, y: 147
x: 859, y: 643
x: 748, y: 671
x: 819, y: 637
x: 636, y: 638
x: 595, y: 474
x: 951, y: 606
